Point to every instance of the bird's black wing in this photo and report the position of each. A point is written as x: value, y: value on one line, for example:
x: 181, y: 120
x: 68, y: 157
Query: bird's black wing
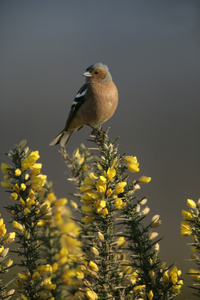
x: 76, y: 104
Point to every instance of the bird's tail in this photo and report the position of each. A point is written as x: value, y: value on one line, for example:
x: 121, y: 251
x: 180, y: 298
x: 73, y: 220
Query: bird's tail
x: 62, y: 138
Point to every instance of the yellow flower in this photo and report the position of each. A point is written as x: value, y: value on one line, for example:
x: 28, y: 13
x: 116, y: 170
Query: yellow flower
x: 153, y: 235
x: 108, y: 192
x: 191, y: 203
x: 5, y: 168
x: 22, y: 202
x: 16, y: 188
x: 144, y: 179
x: 187, y: 215
x: 93, y: 195
x: 195, y: 274
x: 73, y: 204
x: 93, y: 266
x: 186, y: 229
x: 118, y: 203
x: 174, y: 275
x: 85, y: 188
x: 31, y: 158
x: 150, y: 295
x: 51, y: 197
x: 63, y: 252
x: 22, y: 187
x: 79, y: 274
x: 45, y: 207
x: 101, y: 186
x: 87, y: 209
x: 9, y: 238
x: 121, y: 241
x: 133, y: 167
x: 2, y: 249
x: 95, y: 251
x: 17, y: 226
x: 99, y: 166
x: 130, y: 159
x: 55, y: 267
x: 8, y: 263
x: 2, y: 228
x: 166, y: 276
x: 41, y: 223
x: 104, y: 212
x: 156, y: 221
x: 87, y: 219
x: 35, y: 169
x: 119, y: 188
x: 60, y: 202
x: 87, y: 200
x: 22, y: 276
x: 31, y: 193
x: 91, y: 295
x: 93, y: 176
x: 14, y: 196
x: 18, y: 172
x: 27, y: 211
x: 44, y: 268
x: 6, y: 185
x: 79, y: 157
x: 133, y: 277
x: 146, y: 210
x: 103, y: 178
x: 100, y: 204
x: 48, y: 284
x: 27, y: 176
x: 139, y: 287
x: 35, y: 275
x: 88, y: 181
x: 77, y: 154
x: 38, y: 181
x: 111, y: 172
x: 100, y: 235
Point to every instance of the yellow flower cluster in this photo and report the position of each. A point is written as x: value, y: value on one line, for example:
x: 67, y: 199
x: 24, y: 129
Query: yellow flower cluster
x: 5, y: 261
x: 190, y: 217
x: 132, y: 163
x: 173, y: 277
x: 25, y: 182
x: 44, y: 274
x: 64, y: 261
x: 96, y: 190
x: 60, y: 268
x: 190, y: 226
x: 38, y: 207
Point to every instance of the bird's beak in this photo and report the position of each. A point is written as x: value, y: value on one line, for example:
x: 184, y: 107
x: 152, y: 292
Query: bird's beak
x: 87, y: 74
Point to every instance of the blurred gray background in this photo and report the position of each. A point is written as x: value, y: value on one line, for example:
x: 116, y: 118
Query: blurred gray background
x: 152, y: 49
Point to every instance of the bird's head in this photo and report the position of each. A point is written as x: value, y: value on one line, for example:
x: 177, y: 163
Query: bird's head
x: 97, y: 73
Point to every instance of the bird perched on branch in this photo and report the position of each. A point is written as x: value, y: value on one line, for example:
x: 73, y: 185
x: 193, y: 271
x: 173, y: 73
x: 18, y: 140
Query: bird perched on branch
x: 95, y: 103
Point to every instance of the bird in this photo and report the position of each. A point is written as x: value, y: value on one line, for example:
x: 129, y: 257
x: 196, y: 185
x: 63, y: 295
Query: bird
x: 95, y: 103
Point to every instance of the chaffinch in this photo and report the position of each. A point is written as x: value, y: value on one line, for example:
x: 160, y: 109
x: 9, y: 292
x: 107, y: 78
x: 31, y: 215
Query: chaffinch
x: 95, y: 102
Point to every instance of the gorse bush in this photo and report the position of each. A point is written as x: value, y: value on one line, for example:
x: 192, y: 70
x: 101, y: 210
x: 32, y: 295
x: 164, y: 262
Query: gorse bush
x: 108, y: 251
x: 191, y: 226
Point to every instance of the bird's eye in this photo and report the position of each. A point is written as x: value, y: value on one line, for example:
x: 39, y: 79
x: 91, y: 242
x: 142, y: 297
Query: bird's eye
x: 96, y: 72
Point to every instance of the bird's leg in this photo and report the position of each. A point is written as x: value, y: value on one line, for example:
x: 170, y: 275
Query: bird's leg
x: 96, y: 129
